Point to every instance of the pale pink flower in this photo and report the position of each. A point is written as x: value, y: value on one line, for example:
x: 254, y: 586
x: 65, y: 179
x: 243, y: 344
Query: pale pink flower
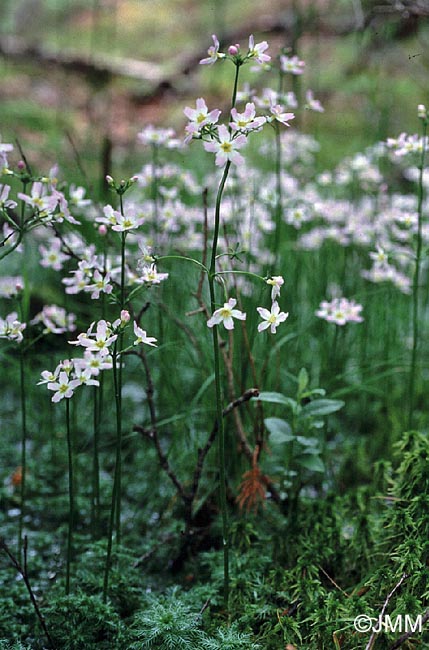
x: 278, y: 113
x: 39, y: 200
x: 52, y: 256
x: 10, y: 286
x: 226, y: 314
x: 100, y: 284
x: 257, y: 51
x: 213, y: 53
x: 98, y: 342
x: 141, y: 337
x: 271, y: 319
x: 226, y: 147
x: 55, y: 320
x: 5, y: 202
x: 11, y: 328
x: 246, y: 121
x: 93, y: 362
x: 149, y: 274
x: 199, y: 117
x: 313, y: 104
x: 64, y: 387
x: 340, y: 311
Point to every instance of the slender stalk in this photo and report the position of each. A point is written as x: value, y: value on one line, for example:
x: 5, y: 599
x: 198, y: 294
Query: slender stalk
x: 279, y: 193
x: 115, y: 509
x: 95, y: 501
x: 71, y: 497
x: 416, y: 279
x: 218, y: 386
x: 23, y: 451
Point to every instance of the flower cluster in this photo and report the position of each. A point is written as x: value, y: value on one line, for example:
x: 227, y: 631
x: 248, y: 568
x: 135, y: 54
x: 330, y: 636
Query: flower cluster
x: 340, y: 311
x: 270, y: 318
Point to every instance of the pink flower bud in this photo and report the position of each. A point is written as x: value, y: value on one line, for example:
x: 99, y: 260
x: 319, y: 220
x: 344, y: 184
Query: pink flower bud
x: 19, y: 286
x: 21, y: 165
x: 109, y: 180
x: 233, y: 50
x: 125, y: 316
x: 102, y: 230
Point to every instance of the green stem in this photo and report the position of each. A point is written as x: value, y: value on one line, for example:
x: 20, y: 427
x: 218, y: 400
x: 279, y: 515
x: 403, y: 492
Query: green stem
x: 71, y: 497
x: 23, y: 452
x: 416, y: 280
x: 279, y: 193
x: 95, y: 502
x: 115, y: 508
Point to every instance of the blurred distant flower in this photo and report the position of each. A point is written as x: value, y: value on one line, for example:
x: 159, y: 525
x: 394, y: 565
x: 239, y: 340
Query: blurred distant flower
x: 10, y: 286
x: 291, y: 64
x: 55, y: 320
x: 52, y: 256
x: 313, y: 104
x: 340, y: 311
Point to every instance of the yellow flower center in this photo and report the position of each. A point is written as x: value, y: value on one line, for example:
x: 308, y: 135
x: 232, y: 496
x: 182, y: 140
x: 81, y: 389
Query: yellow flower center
x: 226, y: 147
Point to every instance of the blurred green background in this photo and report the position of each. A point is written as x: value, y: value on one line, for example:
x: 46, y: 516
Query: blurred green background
x: 81, y: 78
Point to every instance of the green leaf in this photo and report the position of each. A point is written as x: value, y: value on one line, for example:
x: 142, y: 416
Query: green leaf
x: 302, y: 380
x: 280, y: 430
x: 275, y: 398
x: 322, y: 407
x: 311, y: 462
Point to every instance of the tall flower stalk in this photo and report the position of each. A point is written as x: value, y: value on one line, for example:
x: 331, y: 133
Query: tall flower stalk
x: 424, y: 116
x: 218, y: 381
x: 71, y: 497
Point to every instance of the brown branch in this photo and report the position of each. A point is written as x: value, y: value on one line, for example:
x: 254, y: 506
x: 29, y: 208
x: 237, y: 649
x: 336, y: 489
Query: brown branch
x: 24, y: 573
x: 202, y: 453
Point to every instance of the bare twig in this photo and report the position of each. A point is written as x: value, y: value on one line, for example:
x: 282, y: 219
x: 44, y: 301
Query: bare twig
x: 404, y: 637
x: 22, y: 570
x: 371, y: 641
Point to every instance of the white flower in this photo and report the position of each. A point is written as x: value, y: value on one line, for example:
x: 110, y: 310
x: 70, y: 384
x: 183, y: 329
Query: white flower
x: 257, y: 51
x: 142, y: 337
x: 276, y: 281
x: 226, y: 147
x: 98, y: 342
x: 272, y: 319
x: 150, y: 275
x: 213, y: 52
x: 64, y: 387
x: 101, y: 284
x: 11, y: 328
x: 225, y: 315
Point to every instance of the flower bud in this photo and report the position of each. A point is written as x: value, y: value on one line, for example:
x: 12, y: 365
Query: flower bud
x: 233, y: 50
x: 422, y: 112
x: 125, y: 317
x: 102, y: 230
x: 21, y: 165
x: 110, y: 180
